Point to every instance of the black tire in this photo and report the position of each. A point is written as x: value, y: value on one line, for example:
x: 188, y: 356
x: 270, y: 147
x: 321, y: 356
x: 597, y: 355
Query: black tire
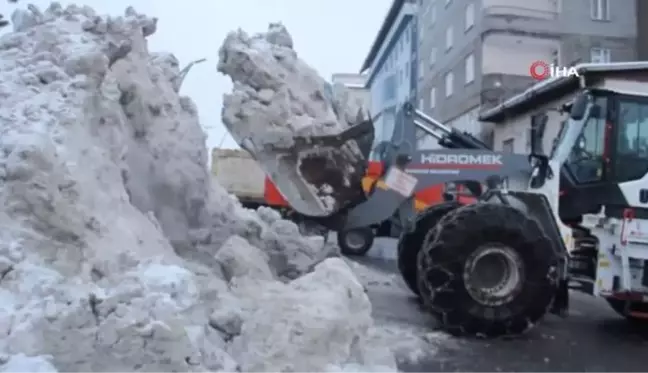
x: 409, y: 244
x: 457, y: 296
x: 356, y: 242
x: 619, y: 306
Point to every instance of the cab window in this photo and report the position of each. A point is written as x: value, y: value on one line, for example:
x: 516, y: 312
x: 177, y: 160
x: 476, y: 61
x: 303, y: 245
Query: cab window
x: 632, y: 141
x: 586, y: 158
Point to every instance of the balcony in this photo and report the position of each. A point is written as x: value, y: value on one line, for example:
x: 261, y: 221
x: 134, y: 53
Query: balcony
x: 521, y: 20
x: 513, y: 12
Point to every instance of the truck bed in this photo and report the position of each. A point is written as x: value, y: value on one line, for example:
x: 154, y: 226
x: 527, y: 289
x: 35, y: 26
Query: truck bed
x: 239, y: 174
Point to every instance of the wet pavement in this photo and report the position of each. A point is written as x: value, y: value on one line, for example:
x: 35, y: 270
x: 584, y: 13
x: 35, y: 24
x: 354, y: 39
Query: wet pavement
x: 592, y: 338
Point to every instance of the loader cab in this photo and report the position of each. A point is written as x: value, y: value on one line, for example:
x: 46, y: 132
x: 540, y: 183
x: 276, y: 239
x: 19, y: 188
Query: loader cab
x: 604, y: 143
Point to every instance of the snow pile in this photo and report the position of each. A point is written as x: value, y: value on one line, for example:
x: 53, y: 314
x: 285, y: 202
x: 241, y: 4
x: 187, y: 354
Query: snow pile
x: 271, y: 82
x: 117, y: 252
x: 276, y: 97
x: 409, y: 343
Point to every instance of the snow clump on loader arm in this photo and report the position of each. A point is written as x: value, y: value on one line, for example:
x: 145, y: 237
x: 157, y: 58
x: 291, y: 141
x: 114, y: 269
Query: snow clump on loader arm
x: 118, y: 251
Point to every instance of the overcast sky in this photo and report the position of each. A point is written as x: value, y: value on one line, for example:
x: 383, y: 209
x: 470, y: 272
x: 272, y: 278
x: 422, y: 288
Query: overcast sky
x: 331, y: 35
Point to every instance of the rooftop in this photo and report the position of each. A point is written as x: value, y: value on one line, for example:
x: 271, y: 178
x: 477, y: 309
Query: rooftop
x: 553, y: 87
x: 390, y: 18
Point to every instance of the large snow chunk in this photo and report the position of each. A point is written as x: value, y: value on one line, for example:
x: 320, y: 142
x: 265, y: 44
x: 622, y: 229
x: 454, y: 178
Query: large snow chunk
x: 289, y: 253
x: 238, y: 259
x: 317, y: 320
x: 270, y: 80
x: 276, y: 98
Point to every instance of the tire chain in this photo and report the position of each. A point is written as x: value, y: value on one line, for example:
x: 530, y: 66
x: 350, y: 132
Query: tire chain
x: 425, y: 261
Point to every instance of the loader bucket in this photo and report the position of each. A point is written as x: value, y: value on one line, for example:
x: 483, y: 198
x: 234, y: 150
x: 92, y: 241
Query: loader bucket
x: 318, y: 175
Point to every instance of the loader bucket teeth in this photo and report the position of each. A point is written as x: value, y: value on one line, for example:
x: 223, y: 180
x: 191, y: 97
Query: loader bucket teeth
x: 322, y: 174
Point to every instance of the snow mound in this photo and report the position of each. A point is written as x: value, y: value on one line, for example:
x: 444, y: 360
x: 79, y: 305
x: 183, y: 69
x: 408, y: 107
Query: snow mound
x: 112, y: 225
x: 277, y: 97
x: 271, y: 81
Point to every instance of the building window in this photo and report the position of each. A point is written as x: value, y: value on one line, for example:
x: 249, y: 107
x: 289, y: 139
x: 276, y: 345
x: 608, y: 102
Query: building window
x: 449, y: 38
x: 449, y: 84
x: 600, y: 55
x: 508, y: 146
x: 433, y: 56
x: 470, y: 16
x: 432, y: 98
x: 433, y: 13
x: 421, y: 104
x: 407, y: 34
x: 470, y: 68
x: 389, y: 88
x: 600, y: 10
x: 421, y: 68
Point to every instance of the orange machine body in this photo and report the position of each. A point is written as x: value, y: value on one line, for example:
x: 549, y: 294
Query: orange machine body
x: 422, y: 199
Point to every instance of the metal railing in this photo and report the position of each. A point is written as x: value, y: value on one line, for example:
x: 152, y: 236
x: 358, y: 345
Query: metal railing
x: 519, y: 11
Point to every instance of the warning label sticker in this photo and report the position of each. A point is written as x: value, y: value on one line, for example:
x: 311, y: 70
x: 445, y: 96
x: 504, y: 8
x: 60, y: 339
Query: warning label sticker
x: 401, y: 181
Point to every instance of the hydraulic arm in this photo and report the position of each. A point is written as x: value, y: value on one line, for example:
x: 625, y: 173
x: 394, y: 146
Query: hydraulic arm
x: 447, y: 137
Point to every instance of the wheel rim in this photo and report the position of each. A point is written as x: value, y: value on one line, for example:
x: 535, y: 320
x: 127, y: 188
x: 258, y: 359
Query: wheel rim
x: 494, y: 275
x: 354, y: 240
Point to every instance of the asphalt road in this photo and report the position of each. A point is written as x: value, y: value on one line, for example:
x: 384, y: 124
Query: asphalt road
x: 592, y: 338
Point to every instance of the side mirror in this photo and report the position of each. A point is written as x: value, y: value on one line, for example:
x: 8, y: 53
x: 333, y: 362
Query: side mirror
x: 579, y: 106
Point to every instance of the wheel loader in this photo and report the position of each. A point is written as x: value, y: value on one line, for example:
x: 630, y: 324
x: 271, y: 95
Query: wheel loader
x: 544, y: 224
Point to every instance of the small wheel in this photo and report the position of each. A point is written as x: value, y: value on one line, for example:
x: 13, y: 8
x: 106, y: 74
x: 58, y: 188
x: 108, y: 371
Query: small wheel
x: 490, y: 271
x: 410, y: 244
x: 356, y: 242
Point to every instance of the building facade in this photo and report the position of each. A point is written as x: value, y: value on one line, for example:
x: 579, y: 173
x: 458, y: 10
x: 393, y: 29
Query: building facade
x: 476, y: 53
x: 391, y: 66
x: 356, y: 84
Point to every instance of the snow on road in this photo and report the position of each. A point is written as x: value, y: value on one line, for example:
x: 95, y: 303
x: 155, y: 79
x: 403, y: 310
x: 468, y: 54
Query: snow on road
x: 399, y: 323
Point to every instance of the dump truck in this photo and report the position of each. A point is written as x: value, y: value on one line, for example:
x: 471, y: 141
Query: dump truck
x: 545, y: 223
x: 240, y: 175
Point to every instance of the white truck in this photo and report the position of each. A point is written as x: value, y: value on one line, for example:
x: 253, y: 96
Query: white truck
x: 240, y: 175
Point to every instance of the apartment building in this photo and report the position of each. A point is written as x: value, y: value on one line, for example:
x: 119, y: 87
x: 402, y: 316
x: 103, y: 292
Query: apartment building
x: 356, y: 85
x: 390, y: 66
x: 473, y: 54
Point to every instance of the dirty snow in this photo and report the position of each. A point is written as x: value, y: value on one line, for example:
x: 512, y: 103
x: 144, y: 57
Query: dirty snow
x: 276, y: 96
x: 411, y: 340
x: 112, y: 225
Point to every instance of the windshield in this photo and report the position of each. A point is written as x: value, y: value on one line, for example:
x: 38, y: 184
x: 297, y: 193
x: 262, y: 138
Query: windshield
x: 586, y: 156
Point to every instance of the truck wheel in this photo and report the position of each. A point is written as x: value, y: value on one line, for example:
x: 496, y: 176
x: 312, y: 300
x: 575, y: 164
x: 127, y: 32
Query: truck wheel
x: 619, y: 306
x: 355, y: 242
x: 490, y: 271
x: 409, y: 244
